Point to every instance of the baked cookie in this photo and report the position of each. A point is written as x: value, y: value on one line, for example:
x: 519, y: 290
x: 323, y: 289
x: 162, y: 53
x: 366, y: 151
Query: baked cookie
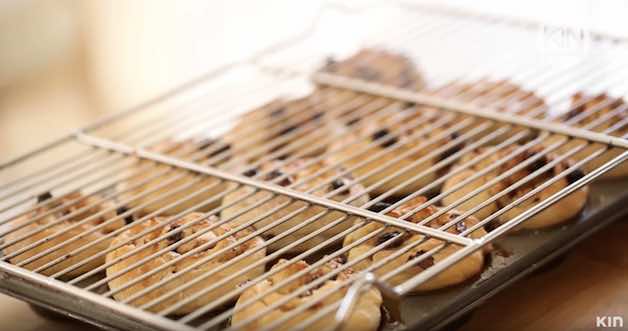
x: 504, y: 96
x: 467, y: 268
x: 140, y: 190
x: 78, y: 207
x: 286, y: 125
x: 557, y: 213
x: 379, y: 133
x: 588, y: 110
x: 378, y: 65
x: 297, y: 171
x: 254, y: 245
x: 365, y: 316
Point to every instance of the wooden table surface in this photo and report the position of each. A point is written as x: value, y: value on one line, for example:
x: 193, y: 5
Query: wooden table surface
x: 592, y: 281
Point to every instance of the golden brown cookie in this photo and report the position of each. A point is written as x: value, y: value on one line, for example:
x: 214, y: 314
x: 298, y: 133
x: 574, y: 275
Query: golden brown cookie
x: 378, y: 65
x: 298, y: 170
x: 77, y: 208
x: 254, y: 245
x: 503, y: 96
x: 467, y: 268
x: 174, y: 185
x: 413, y: 138
x: 557, y: 213
x: 365, y: 316
x: 285, y: 127
x: 592, y: 110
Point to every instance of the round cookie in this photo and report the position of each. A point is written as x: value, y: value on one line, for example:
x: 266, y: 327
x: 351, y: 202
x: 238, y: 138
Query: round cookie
x: 495, y: 93
x: 377, y: 134
x: 264, y: 130
x: 277, y: 169
x: 75, y: 202
x: 378, y: 65
x: 366, y: 314
x: 136, y: 183
x: 467, y: 268
x: 254, y: 245
x: 559, y: 212
x: 504, y: 96
x: 600, y: 105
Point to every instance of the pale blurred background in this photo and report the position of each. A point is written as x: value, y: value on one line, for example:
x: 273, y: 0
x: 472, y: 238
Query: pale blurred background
x: 64, y: 63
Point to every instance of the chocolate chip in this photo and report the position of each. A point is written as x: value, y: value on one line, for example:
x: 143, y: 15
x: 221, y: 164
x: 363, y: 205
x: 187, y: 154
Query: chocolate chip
x: 305, y: 294
x: 276, y: 174
x: 574, y: 176
x: 574, y: 112
x: 538, y: 164
x: 384, y: 237
x: 316, y: 116
x: 44, y: 196
x: 353, y: 121
x: 285, y: 182
x: 287, y: 130
x: 175, y: 237
x: 205, y: 143
x: 367, y: 73
x: 451, y: 151
x: 222, y: 149
x: 379, y: 134
x: 337, y: 183
x: 128, y: 219
x: 409, y: 105
x: 379, y: 206
x: 340, y: 183
x: 277, y: 112
x: 388, y: 141
x: 454, y: 135
x: 250, y: 173
x: 283, y: 157
x: 426, y: 262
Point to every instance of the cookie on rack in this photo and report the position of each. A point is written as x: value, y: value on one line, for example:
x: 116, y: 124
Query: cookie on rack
x: 502, y: 96
x: 203, y: 236
x: 559, y: 212
x: 286, y: 126
x: 154, y: 187
x: 598, y: 113
x: 256, y: 312
x: 57, y: 221
x: 380, y: 66
x: 415, y: 246
x: 245, y: 204
x: 506, y: 96
x: 396, y: 151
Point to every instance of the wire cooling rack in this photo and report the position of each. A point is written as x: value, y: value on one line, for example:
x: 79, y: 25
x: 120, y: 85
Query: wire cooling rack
x: 470, y: 63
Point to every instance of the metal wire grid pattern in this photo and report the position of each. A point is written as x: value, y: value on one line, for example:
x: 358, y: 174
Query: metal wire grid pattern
x: 345, y: 105
x: 109, y: 145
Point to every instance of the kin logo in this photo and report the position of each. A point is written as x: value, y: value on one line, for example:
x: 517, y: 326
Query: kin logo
x: 609, y: 322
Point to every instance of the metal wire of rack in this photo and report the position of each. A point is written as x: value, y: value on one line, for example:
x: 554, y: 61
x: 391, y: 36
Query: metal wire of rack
x: 110, y: 153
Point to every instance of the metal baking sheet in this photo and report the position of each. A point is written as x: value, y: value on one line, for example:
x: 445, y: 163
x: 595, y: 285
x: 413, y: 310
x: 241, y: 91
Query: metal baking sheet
x: 527, y: 251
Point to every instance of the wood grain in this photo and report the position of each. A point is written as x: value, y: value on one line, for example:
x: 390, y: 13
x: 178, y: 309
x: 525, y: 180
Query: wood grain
x: 592, y: 281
